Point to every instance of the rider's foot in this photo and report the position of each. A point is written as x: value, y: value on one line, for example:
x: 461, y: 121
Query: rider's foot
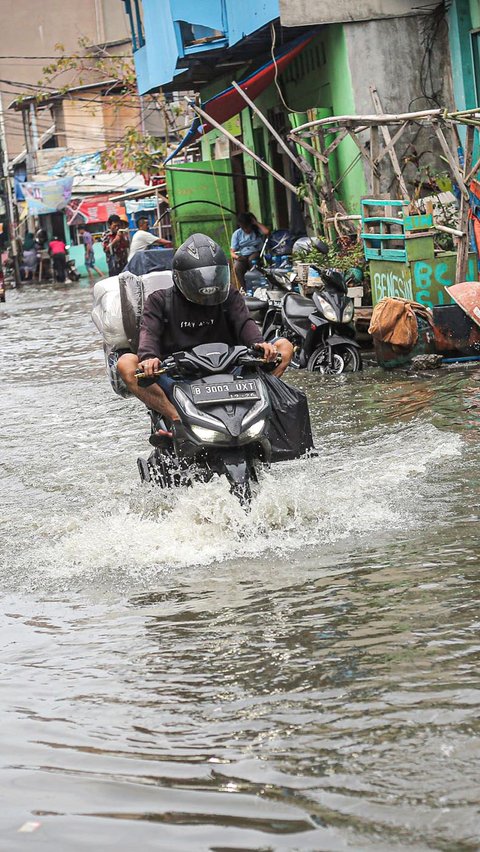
x: 163, y: 433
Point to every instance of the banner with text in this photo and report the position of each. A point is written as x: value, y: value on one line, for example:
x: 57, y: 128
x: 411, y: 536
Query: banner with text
x: 49, y: 196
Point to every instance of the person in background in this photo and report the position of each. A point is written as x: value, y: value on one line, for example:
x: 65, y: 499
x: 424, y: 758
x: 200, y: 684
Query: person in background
x: 87, y: 240
x: 246, y: 243
x: 58, y: 252
x: 30, y: 256
x: 142, y: 239
x: 115, y: 244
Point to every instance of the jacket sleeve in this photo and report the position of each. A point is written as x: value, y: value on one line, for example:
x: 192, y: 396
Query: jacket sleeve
x: 151, y: 329
x: 234, y: 241
x: 245, y: 328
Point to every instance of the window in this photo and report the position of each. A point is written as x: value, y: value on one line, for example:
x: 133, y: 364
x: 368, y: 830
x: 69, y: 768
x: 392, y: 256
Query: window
x: 134, y: 13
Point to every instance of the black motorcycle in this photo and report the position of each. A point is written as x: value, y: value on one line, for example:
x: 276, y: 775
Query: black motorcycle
x: 321, y: 328
x: 270, y: 285
x: 71, y: 270
x: 224, y: 408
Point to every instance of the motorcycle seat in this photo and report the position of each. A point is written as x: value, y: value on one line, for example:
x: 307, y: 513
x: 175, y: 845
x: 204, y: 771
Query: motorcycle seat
x: 254, y: 304
x: 297, y: 307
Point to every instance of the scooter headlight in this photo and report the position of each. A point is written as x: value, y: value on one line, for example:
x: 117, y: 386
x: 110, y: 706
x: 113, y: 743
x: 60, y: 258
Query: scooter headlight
x: 185, y: 404
x: 208, y: 436
x: 348, y: 312
x: 328, y: 312
x: 254, y: 430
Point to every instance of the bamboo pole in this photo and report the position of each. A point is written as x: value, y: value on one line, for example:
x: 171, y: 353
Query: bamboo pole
x: 309, y: 148
x: 388, y: 140
x: 367, y: 157
x: 208, y: 118
x: 447, y: 230
x: 393, y: 142
x: 267, y: 124
x: 339, y: 218
x: 299, y: 165
x: 340, y: 136
x: 462, y: 252
x: 328, y: 191
x: 472, y: 172
x: 450, y: 159
x: 374, y: 154
x: 384, y: 118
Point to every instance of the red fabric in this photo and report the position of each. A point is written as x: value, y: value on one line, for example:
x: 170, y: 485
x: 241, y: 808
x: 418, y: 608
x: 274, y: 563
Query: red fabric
x: 230, y: 103
x: 57, y: 247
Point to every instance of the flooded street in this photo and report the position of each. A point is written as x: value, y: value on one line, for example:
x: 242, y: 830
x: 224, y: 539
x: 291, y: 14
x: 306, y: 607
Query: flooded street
x: 178, y: 675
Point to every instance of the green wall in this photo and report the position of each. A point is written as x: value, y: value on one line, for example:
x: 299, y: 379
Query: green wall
x: 459, y: 27
x: 328, y: 88
x: 475, y: 14
x: 318, y: 79
x: 77, y: 253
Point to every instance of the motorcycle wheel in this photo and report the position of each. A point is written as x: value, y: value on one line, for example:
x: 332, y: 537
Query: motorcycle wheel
x: 240, y: 473
x: 346, y: 359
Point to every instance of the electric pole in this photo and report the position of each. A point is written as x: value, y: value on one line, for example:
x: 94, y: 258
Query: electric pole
x: 7, y: 192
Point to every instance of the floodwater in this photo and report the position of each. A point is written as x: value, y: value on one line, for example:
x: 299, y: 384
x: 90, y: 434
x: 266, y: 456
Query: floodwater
x: 178, y: 675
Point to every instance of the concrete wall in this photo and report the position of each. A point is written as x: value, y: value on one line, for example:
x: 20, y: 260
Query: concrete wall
x: 31, y: 29
x: 298, y: 12
x: 388, y: 54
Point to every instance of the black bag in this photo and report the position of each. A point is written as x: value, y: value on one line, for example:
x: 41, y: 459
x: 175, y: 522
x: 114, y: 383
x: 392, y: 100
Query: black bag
x: 288, y: 430
x: 155, y: 259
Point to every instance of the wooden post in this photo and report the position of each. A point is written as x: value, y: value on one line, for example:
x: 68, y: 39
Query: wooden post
x: 209, y: 120
x: 391, y: 150
x: 463, y: 241
x: 310, y: 197
x: 267, y: 124
x: 374, y: 150
x: 451, y: 161
x: 327, y: 191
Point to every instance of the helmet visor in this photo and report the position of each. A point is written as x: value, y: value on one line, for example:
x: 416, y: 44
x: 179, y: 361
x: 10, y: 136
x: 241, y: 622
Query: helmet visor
x: 208, y: 285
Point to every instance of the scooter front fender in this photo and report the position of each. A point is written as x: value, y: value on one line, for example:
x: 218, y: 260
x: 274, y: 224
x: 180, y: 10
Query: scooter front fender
x: 339, y: 340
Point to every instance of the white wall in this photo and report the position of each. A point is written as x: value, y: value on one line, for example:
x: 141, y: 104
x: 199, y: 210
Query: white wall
x: 298, y: 12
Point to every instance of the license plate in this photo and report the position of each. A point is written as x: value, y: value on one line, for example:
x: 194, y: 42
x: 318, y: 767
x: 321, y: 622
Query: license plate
x: 235, y: 391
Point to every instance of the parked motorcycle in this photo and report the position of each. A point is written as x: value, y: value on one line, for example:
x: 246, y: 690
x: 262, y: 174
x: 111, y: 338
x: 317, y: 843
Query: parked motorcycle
x: 321, y: 328
x: 269, y: 289
x: 71, y: 267
x: 224, y: 408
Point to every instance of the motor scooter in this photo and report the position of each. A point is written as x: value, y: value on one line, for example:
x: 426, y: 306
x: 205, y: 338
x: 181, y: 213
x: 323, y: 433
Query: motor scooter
x: 267, y: 283
x: 321, y: 327
x: 71, y: 270
x: 224, y: 408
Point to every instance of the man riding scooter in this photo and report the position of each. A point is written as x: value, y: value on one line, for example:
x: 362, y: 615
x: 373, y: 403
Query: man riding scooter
x: 201, y: 307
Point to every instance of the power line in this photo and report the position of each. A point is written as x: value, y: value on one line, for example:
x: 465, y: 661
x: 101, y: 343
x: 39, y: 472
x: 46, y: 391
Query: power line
x: 68, y: 56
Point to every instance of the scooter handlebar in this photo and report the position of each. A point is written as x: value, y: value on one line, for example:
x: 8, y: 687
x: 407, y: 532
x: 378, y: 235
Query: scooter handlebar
x: 252, y: 358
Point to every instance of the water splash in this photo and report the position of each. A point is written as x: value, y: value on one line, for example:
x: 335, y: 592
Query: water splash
x: 373, y: 486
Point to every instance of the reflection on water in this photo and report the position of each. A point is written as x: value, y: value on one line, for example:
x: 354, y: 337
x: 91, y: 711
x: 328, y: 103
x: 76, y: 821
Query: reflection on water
x: 181, y: 676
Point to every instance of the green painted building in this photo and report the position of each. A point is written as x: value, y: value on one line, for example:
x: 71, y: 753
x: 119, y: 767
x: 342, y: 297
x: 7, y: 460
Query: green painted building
x: 356, y: 45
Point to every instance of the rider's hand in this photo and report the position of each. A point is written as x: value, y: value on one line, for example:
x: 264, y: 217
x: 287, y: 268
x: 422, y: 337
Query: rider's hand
x: 270, y: 351
x: 150, y: 366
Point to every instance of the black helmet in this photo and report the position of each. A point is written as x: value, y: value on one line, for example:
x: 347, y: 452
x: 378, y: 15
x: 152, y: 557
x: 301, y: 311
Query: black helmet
x: 201, y: 271
x: 305, y: 244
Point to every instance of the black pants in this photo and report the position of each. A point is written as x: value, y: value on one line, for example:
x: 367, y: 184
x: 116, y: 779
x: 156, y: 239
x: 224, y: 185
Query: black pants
x: 59, y: 266
x: 241, y: 265
x: 114, y: 265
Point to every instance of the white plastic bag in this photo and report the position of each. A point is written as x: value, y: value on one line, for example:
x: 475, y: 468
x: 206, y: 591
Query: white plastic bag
x: 107, y: 313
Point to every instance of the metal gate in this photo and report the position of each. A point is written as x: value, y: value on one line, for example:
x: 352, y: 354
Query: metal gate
x: 202, y: 200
